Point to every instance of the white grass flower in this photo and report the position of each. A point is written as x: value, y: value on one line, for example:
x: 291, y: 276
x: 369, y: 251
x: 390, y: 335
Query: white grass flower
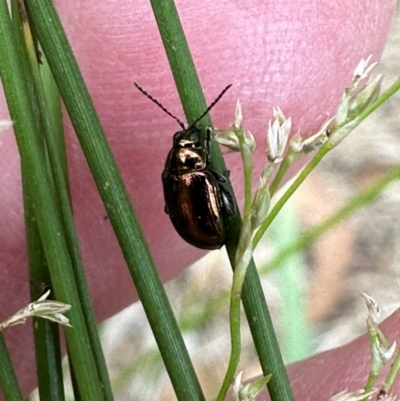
x: 51, y: 310
x: 278, y: 135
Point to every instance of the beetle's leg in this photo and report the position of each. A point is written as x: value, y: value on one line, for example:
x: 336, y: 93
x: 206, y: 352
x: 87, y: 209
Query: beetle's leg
x: 228, y: 201
x: 207, y: 144
x: 221, y: 178
x: 226, y: 198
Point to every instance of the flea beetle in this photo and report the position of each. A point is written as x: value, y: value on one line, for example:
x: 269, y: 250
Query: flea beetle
x: 197, y: 199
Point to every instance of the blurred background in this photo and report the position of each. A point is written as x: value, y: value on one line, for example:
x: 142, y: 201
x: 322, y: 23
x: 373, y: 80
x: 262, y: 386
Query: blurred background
x: 314, y: 296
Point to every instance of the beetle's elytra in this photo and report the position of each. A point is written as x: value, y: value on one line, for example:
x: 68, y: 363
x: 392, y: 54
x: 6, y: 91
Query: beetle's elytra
x: 197, y: 199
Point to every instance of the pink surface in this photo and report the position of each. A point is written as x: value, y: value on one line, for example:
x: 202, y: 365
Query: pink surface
x: 295, y: 54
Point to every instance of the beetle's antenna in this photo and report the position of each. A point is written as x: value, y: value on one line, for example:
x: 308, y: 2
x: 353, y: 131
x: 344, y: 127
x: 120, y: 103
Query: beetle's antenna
x: 159, y: 105
x: 212, y: 104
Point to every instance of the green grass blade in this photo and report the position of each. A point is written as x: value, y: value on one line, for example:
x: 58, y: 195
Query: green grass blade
x: 8, y: 379
x: 193, y: 102
x: 295, y: 330
x: 46, y: 333
x: 53, y: 105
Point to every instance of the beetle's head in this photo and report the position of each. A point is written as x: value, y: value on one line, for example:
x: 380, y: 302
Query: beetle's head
x: 187, y: 138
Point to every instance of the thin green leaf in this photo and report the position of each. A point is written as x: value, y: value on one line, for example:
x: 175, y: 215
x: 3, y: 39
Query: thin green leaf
x: 193, y: 102
x: 46, y: 334
x: 8, y: 379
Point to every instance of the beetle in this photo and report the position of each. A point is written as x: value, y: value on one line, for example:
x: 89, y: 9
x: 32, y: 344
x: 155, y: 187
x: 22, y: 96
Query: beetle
x: 197, y: 198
